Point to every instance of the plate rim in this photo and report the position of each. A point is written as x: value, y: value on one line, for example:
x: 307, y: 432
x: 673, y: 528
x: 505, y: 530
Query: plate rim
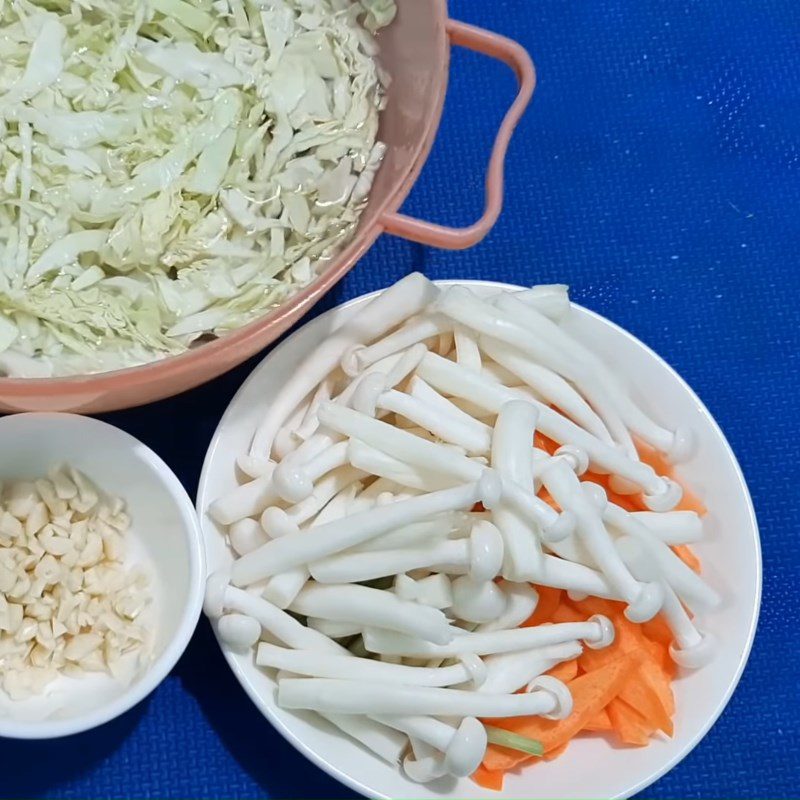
x: 334, y: 772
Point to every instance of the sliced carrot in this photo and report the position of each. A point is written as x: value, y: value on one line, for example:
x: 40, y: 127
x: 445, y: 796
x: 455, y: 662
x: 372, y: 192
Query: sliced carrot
x: 658, y: 681
x: 599, y: 722
x: 597, y: 605
x: 657, y: 630
x: 590, y: 693
x: 565, y: 671
x: 488, y: 779
x: 658, y: 654
x: 628, y: 638
x: 659, y: 637
x: 565, y: 613
x: 549, y: 600
x: 556, y: 751
x: 687, y: 555
x: 544, y: 443
x: 629, y: 726
x: 643, y: 698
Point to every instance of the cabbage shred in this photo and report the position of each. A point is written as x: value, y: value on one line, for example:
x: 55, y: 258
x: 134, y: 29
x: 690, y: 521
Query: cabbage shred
x: 172, y: 169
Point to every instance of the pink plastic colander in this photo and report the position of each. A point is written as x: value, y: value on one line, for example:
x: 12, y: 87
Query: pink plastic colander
x: 415, y: 50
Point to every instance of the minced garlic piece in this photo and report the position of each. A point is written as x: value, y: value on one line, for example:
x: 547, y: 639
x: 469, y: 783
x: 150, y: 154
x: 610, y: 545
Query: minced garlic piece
x: 68, y: 605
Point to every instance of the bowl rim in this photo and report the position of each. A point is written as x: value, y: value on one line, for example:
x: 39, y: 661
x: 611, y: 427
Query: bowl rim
x: 160, y: 668
x: 285, y: 313
x: 268, y: 710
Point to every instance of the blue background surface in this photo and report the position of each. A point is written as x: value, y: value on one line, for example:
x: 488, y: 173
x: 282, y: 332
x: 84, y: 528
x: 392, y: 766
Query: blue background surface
x: 658, y: 173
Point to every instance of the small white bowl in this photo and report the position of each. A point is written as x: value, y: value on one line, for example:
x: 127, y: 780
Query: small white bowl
x: 164, y: 537
x: 592, y: 767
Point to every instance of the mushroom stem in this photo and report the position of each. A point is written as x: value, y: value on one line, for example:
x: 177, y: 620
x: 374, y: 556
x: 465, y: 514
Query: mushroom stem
x: 521, y: 602
x: 387, y: 743
x: 221, y: 597
x: 677, y: 445
x: 295, y: 482
x: 407, y: 297
x: 644, y: 600
x: 377, y: 462
x: 468, y: 353
x: 544, y: 347
x: 291, y: 551
x: 552, y: 300
x: 417, y: 329
x: 448, y: 377
x: 475, y: 438
x: 327, y: 665
x: 672, y: 527
x: 310, y: 421
x: 434, y: 590
x: 509, y: 672
x: 418, y: 534
x: 247, y: 500
x: 282, y: 588
x: 481, y: 554
x: 372, y: 607
x: 278, y: 522
x: 549, y: 385
x: 430, y: 456
x: 512, y: 441
x: 689, y: 586
x: 463, y: 748
x: 361, y: 697
x: 331, y: 628
x: 598, y: 632
x: 691, y: 648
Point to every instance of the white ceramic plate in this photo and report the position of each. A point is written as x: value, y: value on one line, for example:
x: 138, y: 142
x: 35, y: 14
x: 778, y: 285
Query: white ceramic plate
x: 731, y: 557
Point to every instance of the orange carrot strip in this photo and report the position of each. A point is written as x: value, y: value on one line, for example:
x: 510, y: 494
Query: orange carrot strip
x: 598, y: 605
x: 599, y: 722
x: 687, y: 555
x: 658, y: 681
x: 628, y: 637
x: 590, y: 693
x: 629, y: 726
x: 658, y: 654
x: 544, y: 443
x: 643, y: 698
x: 657, y: 630
x: 565, y: 671
x: 556, y: 752
x: 549, y: 600
x: 565, y: 613
x: 488, y: 779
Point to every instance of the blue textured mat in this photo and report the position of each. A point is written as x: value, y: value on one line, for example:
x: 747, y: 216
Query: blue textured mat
x: 658, y: 173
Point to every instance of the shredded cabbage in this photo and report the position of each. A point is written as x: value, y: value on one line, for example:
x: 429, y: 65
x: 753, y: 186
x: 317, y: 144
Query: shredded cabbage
x: 172, y: 169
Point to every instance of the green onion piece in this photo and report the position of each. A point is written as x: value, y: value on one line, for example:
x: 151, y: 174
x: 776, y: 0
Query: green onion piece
x: 513, y: 741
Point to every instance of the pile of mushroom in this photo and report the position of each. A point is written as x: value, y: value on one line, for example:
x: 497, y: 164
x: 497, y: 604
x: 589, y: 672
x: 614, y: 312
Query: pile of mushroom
x: 390, y: 528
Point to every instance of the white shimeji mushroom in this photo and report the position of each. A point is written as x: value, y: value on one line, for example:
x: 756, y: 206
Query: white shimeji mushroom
x: 395, y: 514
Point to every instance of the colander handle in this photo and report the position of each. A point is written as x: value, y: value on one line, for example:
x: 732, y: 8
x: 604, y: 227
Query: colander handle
x: 513, y: 54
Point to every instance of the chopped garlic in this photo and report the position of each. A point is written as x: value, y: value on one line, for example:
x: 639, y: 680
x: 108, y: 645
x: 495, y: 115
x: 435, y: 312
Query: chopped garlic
x: 67, y: 603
